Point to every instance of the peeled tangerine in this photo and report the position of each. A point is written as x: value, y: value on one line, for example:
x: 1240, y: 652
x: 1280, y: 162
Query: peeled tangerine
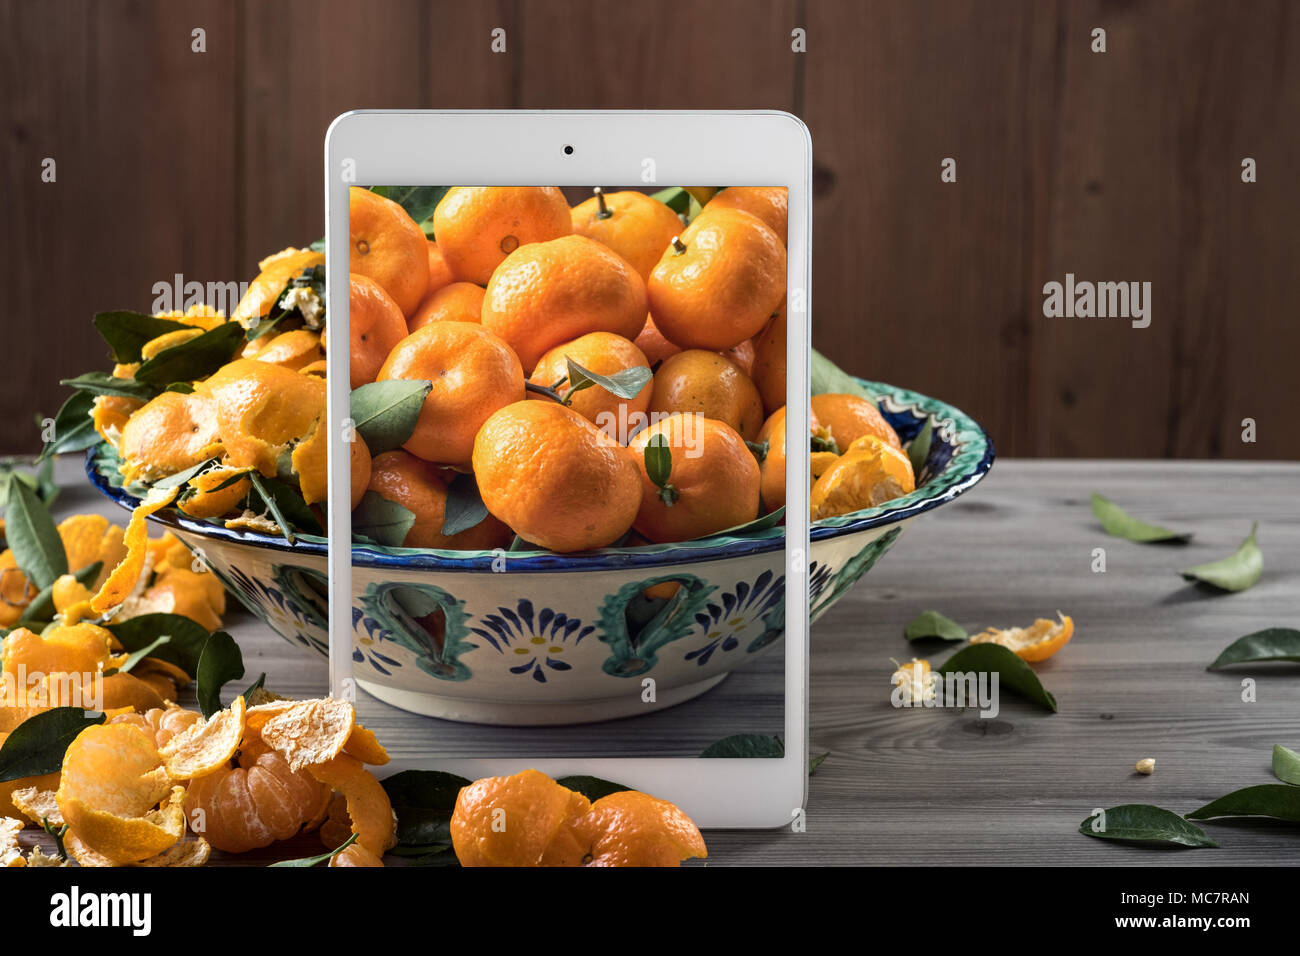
x: 117, y: 797
x: 869, y: 473
x: 528, y: 819
x: 1037, y: 642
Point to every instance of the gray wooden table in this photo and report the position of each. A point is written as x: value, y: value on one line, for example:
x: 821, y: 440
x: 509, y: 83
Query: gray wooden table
x: 941, y: 786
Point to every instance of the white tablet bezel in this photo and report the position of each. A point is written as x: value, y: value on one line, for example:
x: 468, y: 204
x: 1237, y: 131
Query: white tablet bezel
x: 519, y: 148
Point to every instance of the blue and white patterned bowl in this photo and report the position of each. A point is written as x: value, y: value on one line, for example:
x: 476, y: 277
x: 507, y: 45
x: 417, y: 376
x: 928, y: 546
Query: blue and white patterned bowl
x: 533, y: 638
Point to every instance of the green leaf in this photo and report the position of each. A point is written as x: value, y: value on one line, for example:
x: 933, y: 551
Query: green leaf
x: 383, y: 521
x: 761, y: 523
x: 37, y: 745
x: 220, y: 663
x: 746, y: 745
x: 31, y: 534
x: 1238, y: 571
x: 74, y: 430
x: 127, y: 332
x: 593, y: 788
x: 147, y: 651
x: 186, y: 638
x: 102, y: 383
x: 827, y: 377
x: 1270, y: 644
x: 918, y: 449
x: 658, y: 460
x: 385, y: 413
x: 626, y: 383
x: 1144, y: 823
x: 815, y: 761
x: 1278, y: 800
x: 932, y: 624
x: 1013, y: 673
x: 423, y: 801
x: 180, y: 477
x: 41, y: 607
x: 194, y: 358
x: 464, y: 507
x: 259, y: 684
x: 1286, y: 765
x: 675, y: 198
x: 418, y: 201
x: 1115, y: 520
x: 313, y: 860
x: 286, y: 505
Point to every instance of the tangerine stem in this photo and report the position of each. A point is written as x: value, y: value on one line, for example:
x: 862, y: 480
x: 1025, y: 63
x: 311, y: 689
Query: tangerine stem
x: 602, y: 210
x: 550, y: 393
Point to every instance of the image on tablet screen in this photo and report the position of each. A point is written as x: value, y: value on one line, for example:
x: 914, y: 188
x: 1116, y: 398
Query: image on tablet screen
x: 568, y: 482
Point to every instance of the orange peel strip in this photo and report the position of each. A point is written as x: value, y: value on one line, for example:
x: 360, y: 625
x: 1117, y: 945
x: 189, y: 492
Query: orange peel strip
x: 1037, y: 642
x: 122, y: 580
x: 186, y: 853
x: 365, y: 746
x: 368, y: 805
x: 37, y: 805
x: 11, y: 854
x: 205, y: 747
x: 311, y: 731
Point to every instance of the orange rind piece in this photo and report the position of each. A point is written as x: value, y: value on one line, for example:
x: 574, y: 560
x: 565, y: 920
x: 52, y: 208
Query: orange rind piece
x: 168, y: 340
x: 205, y: 747
x: 355, y: 855
x: 38, y: 805
x: 113, y: 782
x: 1037, y: 642
x: 310, y: 731
x: 65, y: 649
x: 122, y: 580
x: 373, y: 820
x: 11, y: 853
x: 365, y: 746
x: 915, y: 680
x: 209, y: 499
x: 870, y: 473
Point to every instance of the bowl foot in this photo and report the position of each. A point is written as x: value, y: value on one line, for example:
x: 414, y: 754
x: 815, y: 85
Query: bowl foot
x: 539, y: 714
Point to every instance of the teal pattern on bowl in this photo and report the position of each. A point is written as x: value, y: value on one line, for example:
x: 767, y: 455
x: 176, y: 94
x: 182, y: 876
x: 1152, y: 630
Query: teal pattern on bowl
x: 569, y: 638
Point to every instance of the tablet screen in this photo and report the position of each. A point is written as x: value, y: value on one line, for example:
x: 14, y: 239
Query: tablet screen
x: 568, y: 468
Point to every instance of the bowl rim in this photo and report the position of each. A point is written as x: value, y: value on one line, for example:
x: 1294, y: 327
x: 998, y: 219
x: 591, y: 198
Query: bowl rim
x: 970, y: 461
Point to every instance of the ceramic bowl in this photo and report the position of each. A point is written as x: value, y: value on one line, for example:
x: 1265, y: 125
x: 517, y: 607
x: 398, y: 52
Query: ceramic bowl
x: 536, y: 638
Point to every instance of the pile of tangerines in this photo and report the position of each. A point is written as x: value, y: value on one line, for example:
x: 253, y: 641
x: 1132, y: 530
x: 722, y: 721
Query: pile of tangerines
x: 674, y: 335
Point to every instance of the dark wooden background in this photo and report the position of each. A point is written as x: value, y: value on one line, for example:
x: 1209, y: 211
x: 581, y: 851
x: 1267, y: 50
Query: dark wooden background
x: 1115, y: 166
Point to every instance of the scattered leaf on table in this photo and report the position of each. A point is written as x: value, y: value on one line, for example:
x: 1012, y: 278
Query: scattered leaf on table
x: 220, y: 663
x: 423, y: 801
x: 1270, y: 644
x: 186, y: 638
x: 1237, y: 571
x: 314, y: 860
x: 1286, y: 765
x: 1144, y: 823
x: 593, y: 788
x: 746, y: 745
x: 37, y: 745
x: 1278, y: 800
x: 385, y: 413
x: 1115, y: 520
x: 1013, y: 673
x: 932, y: 624
x: 32, y: 536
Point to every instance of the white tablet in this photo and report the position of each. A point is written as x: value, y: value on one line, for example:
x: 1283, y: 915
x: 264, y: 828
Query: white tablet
x: 563, y: 531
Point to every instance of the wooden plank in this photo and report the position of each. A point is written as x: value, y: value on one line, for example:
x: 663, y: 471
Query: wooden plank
x: 139, y: 127
x: 589, y: 54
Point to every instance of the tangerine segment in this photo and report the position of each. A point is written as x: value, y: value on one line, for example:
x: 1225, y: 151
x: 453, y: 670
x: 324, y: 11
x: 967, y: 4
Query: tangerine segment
x: 479, y: 226
x: 553, y: 292
x: 719, y: 283
x: 631, y: 828
x: 122, y: 580
x: 513, y: 821
x: 311, y: 731
x: 555, y: 478
x: 869, y: 475
x: 1037, y: 642
x: 473, y: 373
x: 206, y: 747
x: 373, y: 820
x: 161, y: 724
